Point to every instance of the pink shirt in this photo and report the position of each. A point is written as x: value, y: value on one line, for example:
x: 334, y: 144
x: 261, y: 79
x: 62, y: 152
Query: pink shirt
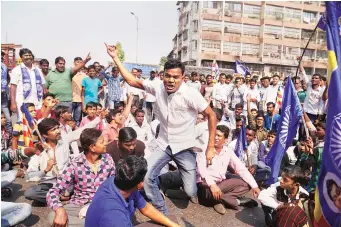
x: 215, y: 173
x: 86, y: 120
x: 110, y: 132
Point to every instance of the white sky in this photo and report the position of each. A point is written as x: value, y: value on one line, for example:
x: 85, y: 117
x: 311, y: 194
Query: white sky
x: 70, y: 29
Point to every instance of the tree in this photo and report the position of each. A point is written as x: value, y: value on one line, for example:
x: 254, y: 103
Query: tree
x: 163, y: 60
x: 121, y: 54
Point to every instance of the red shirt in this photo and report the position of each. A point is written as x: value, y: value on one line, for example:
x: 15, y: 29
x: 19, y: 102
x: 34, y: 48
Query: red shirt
x: 40, y: 114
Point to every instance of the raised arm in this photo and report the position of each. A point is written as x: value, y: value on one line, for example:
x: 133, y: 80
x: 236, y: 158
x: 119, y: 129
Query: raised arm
x: 130, y: 78
x: 325, y: 93
x: 76, y: 68
x: 127, y: 109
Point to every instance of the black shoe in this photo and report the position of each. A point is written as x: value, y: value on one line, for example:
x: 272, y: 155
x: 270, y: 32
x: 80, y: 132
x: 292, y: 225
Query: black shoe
x: 247, y: 202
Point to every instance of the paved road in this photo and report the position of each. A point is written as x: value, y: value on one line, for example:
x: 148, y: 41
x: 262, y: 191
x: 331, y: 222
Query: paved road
x: 191, y: 214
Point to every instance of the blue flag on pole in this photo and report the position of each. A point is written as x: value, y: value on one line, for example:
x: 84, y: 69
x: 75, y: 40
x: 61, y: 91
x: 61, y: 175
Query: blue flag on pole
x: 241, y: 145
x: 286, y: 132
x: 241, y: 69
x: 327, y: 196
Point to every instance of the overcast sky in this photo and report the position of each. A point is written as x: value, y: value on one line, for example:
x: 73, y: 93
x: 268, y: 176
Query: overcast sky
x: 71, y: 29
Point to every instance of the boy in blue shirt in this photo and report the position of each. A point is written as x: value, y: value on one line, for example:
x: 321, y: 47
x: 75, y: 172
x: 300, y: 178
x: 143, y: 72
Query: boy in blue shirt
x: 117, y: 198
x: 91, y: 87
x: 271, y: 119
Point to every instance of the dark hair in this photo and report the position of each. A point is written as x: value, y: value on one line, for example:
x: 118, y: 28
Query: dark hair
x: 139, y: 70
x: 114, y: 69
x: 48, y: 95
x: 270, y: 103
x: 272, y: 132
x: 330, y: 183
x: 239, y: 105
x: 118, y: 105
x: 249, y: 127
x: 218, y: 113
x: 91, y: 67
x: 229, y: 76
x: 323, y: 78
x: 260, y: 115
x: 89, y: 137
x: 207, y: 76
x: 224, y: 129
x: 25, y: 51
x: 111, y: 114
x: 29, y: 104
x: 99, y: 105
x: 61, y: 110
x: 173, y: 64
x: 295, y: 173
x: 77, y: 59
x: 43, y: 61
x: 295, y: 78
x: 276, y: 75
x: 187, y: 75
x: 58, y: 59
x: 47, y: 124
x: 126, y: 134
x: 135, y: 69
x: 91, y: 105
x: 265, y: 78
x: 316, y: 74
x: 253, y: 80
x: 194, y: 74
x: 96, y: 62
x: 130, y: 172
x: 222, y: 74
x: 138, y: 111
x: 321, y: 125
x: 238, y: 118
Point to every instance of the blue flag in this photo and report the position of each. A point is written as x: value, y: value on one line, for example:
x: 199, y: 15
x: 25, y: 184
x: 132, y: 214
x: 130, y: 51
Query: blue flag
x: 27, y: 115
x: 327, y: 197
x: 286, y: 131
x: 241, y: 145
x: 241, y: 69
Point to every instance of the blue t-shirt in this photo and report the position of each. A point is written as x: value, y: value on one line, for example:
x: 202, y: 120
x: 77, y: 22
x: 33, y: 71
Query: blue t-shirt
x: 275, y: 121
x: 91, y: 89
x: 109, y: 209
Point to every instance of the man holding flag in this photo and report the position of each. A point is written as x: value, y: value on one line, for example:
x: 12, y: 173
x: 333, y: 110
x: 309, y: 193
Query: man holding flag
x: 327, y: 195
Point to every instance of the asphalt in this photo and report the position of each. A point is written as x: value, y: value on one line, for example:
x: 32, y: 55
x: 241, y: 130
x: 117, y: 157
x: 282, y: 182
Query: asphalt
x: 189, y: 213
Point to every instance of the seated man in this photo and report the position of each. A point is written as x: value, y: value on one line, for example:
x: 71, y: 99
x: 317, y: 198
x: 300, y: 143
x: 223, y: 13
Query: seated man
x: 91, y: 111
x: 213, y: 187
x: 85, y: 174
x: 46, y: 166
x: 141, y: 126
x: 127, y: 144
x: 117, y: 198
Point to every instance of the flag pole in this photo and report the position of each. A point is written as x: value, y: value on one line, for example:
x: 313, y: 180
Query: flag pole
x: 305, y: 48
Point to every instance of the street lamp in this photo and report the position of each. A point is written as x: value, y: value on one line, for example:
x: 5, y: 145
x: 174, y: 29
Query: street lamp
x: 137, y: 34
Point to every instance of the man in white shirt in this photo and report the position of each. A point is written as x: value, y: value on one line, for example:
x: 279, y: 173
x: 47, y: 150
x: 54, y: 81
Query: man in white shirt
x: 253, y: 93
x: 27, y: 83
x: 178, y: 105
x: 150, y: 99
x: 141, y: 127
x: 194, y: 83
x: 271, y: 94
x: 220, y: 91
x: 138, y: 93
x: 313, y: 103
x: 265, y: 81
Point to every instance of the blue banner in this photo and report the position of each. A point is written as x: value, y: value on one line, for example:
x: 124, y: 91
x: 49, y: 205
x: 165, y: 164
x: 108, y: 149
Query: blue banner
x: 241, y: 69
x: 286, y: 131
x: 241, y: 144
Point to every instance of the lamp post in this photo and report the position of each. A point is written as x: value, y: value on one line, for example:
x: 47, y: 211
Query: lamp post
x: 137, y: 35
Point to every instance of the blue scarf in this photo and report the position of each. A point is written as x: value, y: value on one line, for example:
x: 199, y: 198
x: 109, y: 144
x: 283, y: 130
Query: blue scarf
x: 4, y: 84
x: 27, y: 86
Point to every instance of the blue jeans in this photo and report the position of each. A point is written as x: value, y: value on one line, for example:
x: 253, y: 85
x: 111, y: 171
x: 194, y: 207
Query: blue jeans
x: 5, y: 110
x: 77, y: 112
x: 186, y: 162
x: 68, y: 104
x: 7, y: 177
x: 13, y: 213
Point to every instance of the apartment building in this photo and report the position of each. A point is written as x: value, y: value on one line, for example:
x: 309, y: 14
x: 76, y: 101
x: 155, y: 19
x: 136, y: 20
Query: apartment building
x: 266, y: 36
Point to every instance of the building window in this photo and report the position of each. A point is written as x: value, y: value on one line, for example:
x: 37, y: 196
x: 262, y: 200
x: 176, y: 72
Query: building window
x: 233, y: 28
x: 293, y: 33
x: 291, y: 52
x: 272, y: 31
x: 211, y: 25
x: 251, y: 11
x: 305, y: 35
x: 195, y: 7
x: 194, y: 44
x: 309, y: 17
x: 233, y: 9
x: 250, y: 49
x: 322, y: 72
x: 211, y: 45
x: 292, y: 15
x: 185, y: 34
x: 273, y: 51
x: 231, y: 47
x: 273, y: 12
x: 195, y: 26
x: 308, y: 54
x: 321, y: 37
x: 251, y: 30
x: 322, y: 54
x: 213, y: 4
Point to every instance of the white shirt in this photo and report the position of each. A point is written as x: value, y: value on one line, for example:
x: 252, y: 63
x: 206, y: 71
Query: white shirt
x: 134, y: 90
x: 202, y: 135
x: 254, y: 93
x: 144, y: 132
x: 150, y: 97
x: 313, y: 102
x: 16, y: 78
x: 291, y: 155
x: 178, y: 114
x: 271, y: 94
x: 220, y: 91
x: 196, y: 85
x: 252, y: 152
x: 268, y: 197
x: 74, y: 145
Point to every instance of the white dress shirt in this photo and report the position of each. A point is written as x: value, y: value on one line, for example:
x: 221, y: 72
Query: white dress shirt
x: 144, y: 132
x: 254, y: 93
x: 178, y: 114
x: 196, y: 85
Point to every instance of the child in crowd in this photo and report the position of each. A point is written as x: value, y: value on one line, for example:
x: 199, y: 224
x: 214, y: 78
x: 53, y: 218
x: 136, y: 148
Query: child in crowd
x: 72, y: 123
x: 91, y: 87
x: 91, y: 110
x: 285, y: 194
